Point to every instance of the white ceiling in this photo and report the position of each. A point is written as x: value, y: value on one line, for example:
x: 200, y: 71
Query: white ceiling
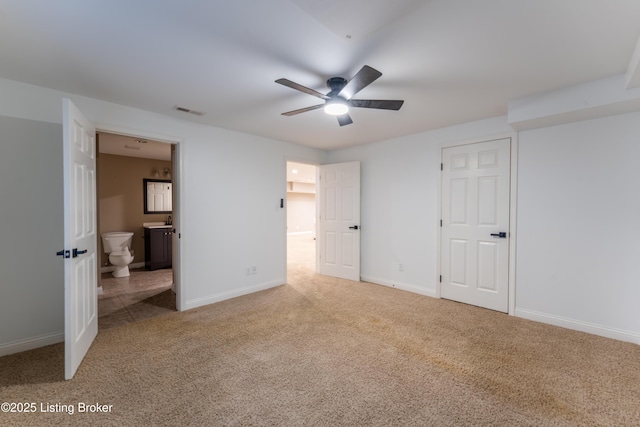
x: 121, y: 145
x: 452, y: 61
x: 300, y: 172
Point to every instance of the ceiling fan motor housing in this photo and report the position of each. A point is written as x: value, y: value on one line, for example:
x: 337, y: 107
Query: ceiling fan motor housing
x: 336, y: 84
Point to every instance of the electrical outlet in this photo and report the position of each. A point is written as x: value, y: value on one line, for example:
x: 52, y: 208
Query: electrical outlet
x: 253, y: 269
x: 400, y: 267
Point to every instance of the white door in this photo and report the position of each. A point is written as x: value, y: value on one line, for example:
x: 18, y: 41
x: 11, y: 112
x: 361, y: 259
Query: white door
x: 339, y: 220
x: 475, y: 224
x: 80, y: 264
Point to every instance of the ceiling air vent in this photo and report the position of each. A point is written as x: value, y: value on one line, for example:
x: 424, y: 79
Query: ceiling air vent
x: 187, y: 110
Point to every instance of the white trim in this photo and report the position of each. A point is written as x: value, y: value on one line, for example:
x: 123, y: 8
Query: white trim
x: 199, y: 302
x: 578, y: 325
x: 31, y: 343
x: 513, y: 217
x: 399, y: 285
x: 513, y: 197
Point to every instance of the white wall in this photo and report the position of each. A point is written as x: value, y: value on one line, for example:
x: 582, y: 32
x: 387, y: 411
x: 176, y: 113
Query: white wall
x: 301, y: 213
x: 578, y: 218
x: 31, y: 287
x: 399, y: 194
x: 226, y: 225
x: 579, y: 226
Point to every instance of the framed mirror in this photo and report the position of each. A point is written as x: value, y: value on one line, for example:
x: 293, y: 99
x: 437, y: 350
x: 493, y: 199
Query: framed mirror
x: 157, y: 196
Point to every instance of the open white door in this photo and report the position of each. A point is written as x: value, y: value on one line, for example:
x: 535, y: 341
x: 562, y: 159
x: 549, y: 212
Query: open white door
x: 475, y: 224
x: 339, y: 220
x: 80, y: 264
x: 175, y: 243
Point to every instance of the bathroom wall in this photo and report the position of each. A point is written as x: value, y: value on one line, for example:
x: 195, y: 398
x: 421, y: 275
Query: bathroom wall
x: 121, y: 199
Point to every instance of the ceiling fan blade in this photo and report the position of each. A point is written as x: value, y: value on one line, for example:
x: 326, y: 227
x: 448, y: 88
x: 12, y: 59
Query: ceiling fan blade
x: 382, y: 104
x: 302, y: 110
x: 362, y: 79
x: 296, y: 86
x: 344, y: 119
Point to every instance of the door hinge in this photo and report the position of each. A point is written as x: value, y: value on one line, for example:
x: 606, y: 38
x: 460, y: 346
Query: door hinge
x: 440, y: 223
x: 441, y: 166
x: 440, y: 278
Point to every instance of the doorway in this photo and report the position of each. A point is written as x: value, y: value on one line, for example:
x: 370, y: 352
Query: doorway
x: 125, y: 165
x: 301, y: 215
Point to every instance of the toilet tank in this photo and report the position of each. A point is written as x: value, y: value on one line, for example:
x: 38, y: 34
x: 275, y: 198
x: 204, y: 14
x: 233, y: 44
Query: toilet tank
x: 115, y: 241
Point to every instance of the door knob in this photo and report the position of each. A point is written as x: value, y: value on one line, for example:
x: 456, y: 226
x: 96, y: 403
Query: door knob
x: 77, y: 252
x: 355, y: 227
x: 501, y: 235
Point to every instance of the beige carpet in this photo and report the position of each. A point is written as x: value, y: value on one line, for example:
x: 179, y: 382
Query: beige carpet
x: 323, y: 351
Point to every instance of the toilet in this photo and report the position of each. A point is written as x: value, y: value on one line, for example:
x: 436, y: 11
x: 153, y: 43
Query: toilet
x: 117, y: 244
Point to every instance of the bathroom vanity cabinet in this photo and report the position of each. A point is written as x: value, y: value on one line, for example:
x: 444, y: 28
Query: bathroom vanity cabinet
x: 157, y: 247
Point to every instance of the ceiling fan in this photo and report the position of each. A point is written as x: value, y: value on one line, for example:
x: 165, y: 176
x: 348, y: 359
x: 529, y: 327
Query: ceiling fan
x: 339, y: 99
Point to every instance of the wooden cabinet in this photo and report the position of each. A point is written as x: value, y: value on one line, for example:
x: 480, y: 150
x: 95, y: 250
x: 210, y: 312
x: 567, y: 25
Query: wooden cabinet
x: 157, y: 248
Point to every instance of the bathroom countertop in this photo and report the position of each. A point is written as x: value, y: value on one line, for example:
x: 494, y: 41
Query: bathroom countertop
x: 156, y: 225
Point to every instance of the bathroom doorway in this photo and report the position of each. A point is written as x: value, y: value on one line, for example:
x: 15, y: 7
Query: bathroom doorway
x: 125, y: 166
x: 301, y: 217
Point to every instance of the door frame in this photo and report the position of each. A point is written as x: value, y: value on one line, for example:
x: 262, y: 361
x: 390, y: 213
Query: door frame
x: 286, y: 211
x: 513, y: 200
x: 177, y: 168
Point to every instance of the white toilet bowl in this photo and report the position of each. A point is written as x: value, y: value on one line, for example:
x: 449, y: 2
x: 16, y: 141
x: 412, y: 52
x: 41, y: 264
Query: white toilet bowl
x: 117, y: 244
x: 121, y: 261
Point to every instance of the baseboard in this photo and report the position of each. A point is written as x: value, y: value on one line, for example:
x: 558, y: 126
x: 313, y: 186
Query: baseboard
x: 578, y: 325
x: 199, y: 302
x: 110, y: 268
x: 31, y: 343
x: 399, y: 285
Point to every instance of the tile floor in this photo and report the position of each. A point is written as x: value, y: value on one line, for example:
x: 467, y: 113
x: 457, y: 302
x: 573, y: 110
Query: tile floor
x: 142, y: 295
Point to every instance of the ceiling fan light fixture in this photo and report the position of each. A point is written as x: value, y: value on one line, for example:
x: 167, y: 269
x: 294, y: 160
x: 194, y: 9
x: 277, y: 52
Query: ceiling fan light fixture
x: 336, y: 107
x: 340, y: 99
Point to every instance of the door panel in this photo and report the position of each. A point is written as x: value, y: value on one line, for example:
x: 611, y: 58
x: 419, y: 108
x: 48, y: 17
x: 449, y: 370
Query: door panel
x: 80, y: 270
x: 339, y: 212
x: 458, y: 262
x: 487, y: 266
x: 475, y: 204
